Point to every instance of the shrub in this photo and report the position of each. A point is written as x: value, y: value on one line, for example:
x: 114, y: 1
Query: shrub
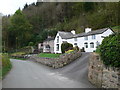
x: 83, y: 49
x: 110, y: 50
x: 69, y: 51
x: 30, y: 44
x: 66, y: 46
x: 76, y: 48
x: 98, y: 50
x: 6, y: 64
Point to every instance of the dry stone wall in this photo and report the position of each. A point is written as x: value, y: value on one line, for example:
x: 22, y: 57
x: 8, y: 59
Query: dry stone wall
x: 102, y: 76
x: 57, y: 62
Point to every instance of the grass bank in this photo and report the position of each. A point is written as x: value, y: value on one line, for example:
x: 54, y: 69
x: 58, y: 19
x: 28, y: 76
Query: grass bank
x: 49, y: 55
x: 6, y: 65
x: 116, y: 28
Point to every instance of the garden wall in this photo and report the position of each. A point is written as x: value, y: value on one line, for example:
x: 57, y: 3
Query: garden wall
x: 57, y: 62
x: 102, y: 76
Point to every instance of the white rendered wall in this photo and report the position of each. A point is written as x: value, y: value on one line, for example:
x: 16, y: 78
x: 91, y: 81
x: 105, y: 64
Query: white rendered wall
x: 55, y: 44
x: 80, y: 41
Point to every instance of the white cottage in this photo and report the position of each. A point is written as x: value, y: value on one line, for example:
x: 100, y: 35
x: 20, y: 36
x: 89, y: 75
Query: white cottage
x: 88, y: 40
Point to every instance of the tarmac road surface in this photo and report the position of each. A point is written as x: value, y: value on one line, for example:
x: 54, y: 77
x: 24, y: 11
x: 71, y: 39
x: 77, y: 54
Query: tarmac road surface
x: 28, y: 74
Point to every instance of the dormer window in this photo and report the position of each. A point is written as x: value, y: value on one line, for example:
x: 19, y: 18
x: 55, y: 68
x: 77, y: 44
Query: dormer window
x: 86, y: 38
x: 93, y: 37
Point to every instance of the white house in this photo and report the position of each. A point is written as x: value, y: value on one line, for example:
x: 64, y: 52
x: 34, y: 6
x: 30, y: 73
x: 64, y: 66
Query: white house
x: 88, y: 40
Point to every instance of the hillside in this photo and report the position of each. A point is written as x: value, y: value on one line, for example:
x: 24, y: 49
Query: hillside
x: 38, y: 20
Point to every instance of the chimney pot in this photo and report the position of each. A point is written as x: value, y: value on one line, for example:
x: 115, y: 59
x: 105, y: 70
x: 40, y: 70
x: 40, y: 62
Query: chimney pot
x: 87, y: 30
x: 73, y: 31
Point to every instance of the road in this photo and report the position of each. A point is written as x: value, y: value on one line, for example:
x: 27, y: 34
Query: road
x: 28, y: 74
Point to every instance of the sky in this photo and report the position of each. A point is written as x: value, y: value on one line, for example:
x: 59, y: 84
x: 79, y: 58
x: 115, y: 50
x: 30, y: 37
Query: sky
x: 10, y: 6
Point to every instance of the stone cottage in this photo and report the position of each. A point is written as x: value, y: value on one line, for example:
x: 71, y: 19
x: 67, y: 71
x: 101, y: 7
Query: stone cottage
x: 48, y: 45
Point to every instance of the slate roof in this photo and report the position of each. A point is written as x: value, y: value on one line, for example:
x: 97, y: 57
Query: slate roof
x: 68, y: 35
x: 99, y: 31
x: 65, y: 35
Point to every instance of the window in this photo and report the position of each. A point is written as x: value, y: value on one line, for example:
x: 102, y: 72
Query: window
x: 57, y: 48
x: 86, y: 38
x: 57, y: 39
x: 41, y: 44
x: 91, y: 45
x: 75, y: 44
x: 86, y: 45
x: 93, y: 36
x: 47, y: 46
x: 75, y: 39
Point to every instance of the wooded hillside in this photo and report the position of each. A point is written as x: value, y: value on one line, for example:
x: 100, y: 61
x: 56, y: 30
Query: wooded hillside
x: 36, y: 21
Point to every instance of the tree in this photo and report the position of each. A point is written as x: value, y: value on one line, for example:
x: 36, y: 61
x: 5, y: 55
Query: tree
x: 26, y: 6
x: 20, y: 28
x: 88, y: 6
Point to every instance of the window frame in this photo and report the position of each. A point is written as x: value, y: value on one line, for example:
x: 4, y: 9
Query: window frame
x: 92, y: 45
x: 57, y: 47
x: 57, y: 39
x: 86, y: 45
x: 75, y: 44
x: 93, y: 36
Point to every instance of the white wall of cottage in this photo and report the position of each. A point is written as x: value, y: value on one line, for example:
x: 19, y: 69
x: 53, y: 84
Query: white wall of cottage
x: 55, y: 44
x: 81, y: 41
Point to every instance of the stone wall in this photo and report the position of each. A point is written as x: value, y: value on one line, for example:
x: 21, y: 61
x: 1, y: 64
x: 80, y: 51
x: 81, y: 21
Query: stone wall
x: 102, y: 76
x: 57, y: 62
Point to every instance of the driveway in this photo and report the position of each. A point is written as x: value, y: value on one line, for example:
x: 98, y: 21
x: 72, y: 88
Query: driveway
x: 28, y: 74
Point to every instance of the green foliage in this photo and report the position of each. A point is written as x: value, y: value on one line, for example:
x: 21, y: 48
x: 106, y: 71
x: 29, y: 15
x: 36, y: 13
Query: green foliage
x: 34, y: 22
x: 98, y: 49
x: 76, y: 48
x: 42, y: 36
x: 26, y: 50
x: 18, y: 54
x: 88, y: 6
x: 52, y: 32
x: 49, y: 55
x: 6, y: 64
x: 116, y: 28
x: 110, y: 50
x: 30, y: 44
x: 66, y: 46
x: 20, y: 29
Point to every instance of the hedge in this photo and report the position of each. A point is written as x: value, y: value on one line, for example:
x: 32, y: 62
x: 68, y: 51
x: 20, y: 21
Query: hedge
x: 110, y: 50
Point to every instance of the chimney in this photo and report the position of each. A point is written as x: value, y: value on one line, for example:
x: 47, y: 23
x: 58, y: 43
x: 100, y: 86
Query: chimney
x: 73, y: 31
x: 87, y: 30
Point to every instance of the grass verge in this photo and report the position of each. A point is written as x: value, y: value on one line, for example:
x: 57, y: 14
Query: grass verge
x: 6, y: 65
